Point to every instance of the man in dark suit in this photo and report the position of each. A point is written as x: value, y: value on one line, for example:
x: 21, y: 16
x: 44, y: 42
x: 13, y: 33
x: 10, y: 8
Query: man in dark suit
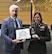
x: 11, y: 45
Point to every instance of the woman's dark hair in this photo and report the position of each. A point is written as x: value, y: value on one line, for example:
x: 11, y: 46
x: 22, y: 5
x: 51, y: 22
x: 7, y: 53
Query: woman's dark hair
x: 39, y: 15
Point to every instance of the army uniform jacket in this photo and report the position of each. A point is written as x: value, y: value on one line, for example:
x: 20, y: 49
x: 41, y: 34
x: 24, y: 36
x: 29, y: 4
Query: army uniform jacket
x: 40, y: 45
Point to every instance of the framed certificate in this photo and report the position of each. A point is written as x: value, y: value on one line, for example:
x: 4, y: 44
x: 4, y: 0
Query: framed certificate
x: 23, y: 34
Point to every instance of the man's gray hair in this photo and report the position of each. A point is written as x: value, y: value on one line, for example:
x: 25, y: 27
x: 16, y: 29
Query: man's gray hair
x: 13, y: 6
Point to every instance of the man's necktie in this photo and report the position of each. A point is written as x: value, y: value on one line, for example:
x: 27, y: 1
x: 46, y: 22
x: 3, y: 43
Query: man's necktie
x: 16, y: 24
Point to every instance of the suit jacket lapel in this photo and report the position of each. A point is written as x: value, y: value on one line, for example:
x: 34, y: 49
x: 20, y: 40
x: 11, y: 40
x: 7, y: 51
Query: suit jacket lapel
x: 12, y: 22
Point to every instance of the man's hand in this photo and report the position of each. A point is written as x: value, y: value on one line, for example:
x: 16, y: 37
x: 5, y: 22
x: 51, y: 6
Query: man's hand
x: 23, y: 40
x: 15, y: 41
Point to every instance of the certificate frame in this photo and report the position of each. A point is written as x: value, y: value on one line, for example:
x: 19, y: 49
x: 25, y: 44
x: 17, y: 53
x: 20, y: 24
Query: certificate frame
x: 23, y: 33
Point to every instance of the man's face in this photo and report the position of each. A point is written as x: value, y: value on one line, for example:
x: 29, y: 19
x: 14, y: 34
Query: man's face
x: 13, y: 12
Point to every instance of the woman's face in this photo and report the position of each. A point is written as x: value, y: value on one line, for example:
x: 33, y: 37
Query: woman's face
x: 37, y: 19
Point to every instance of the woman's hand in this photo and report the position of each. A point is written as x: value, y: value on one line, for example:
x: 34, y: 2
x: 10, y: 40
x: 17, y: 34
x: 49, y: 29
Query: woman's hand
x: 35, y: 36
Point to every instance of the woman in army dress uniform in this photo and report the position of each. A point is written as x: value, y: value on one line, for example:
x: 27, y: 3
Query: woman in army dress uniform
x: 40, y: 36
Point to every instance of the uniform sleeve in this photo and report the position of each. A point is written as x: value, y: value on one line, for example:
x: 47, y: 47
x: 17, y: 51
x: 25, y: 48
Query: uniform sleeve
x: 46, y: 36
